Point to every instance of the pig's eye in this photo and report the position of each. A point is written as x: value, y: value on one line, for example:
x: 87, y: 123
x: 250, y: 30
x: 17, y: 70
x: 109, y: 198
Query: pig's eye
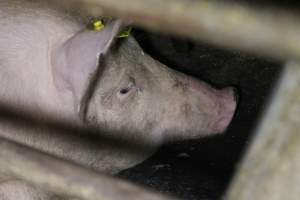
x: 128, y: 90
x: 124, y: 91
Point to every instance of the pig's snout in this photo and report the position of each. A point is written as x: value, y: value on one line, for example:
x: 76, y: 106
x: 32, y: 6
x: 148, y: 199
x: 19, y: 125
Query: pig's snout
x: 228, y: 99
x: 216, y: 106
x: 227, y: 106
x: 221, y: 104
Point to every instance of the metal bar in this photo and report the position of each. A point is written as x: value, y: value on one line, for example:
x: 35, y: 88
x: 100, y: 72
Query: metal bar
x: 65, y: 178
x: 268, y: 32
x: 270, y: 170
x: 71, y: 141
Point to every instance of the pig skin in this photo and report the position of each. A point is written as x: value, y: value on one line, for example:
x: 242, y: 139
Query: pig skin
x: 48, y: 61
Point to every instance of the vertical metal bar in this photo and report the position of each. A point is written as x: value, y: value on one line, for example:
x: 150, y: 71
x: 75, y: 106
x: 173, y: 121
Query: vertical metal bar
x: 271, y: 168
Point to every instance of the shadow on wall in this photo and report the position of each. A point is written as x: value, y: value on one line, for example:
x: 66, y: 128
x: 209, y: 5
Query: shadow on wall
x: 201, y: 169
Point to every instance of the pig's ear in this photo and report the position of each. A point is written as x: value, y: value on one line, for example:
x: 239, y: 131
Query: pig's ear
x: 76, y: 60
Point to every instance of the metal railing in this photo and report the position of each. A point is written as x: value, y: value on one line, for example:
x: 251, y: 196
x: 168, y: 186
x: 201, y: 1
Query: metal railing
x: 270, y: 168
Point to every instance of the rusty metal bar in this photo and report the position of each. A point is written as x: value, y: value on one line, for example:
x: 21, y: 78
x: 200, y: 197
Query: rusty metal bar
x: 269, y: 32
x: 270, y: 170
x: 65, y: 178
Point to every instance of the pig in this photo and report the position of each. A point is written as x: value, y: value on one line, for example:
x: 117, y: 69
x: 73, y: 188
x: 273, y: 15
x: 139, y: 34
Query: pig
x: 51, y: 64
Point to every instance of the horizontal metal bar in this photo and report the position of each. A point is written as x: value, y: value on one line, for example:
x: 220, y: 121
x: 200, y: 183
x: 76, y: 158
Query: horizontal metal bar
x: 269, y: 32
x: 65, y: 178
x: 270, y: 170
x: 85, y: 145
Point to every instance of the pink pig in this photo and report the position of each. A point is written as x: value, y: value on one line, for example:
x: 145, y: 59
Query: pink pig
x: 52, y: 64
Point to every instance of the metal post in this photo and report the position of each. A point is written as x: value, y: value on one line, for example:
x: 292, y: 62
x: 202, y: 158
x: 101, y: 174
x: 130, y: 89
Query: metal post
x: 270, y: 170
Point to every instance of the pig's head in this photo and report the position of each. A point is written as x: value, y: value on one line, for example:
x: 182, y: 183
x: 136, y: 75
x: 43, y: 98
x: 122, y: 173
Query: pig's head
x: 137, y: 94
x: 139, y: 98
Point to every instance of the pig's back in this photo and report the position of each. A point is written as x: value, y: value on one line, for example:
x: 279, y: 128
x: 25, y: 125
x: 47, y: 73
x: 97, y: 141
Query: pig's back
x: 29, y: 31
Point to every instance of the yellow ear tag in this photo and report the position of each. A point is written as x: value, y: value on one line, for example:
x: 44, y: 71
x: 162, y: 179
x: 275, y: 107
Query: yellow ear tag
x: 98, y: 25
x: 125, y: 33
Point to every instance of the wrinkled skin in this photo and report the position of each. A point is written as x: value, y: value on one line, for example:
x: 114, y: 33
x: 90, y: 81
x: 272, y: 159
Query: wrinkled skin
x: 49, y: 64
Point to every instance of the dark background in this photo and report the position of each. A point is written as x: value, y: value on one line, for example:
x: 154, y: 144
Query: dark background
x: 202, y: 169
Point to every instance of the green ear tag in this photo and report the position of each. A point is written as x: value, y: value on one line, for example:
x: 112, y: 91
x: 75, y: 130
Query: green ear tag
x: 125, y: 33
x: 97, y: 25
